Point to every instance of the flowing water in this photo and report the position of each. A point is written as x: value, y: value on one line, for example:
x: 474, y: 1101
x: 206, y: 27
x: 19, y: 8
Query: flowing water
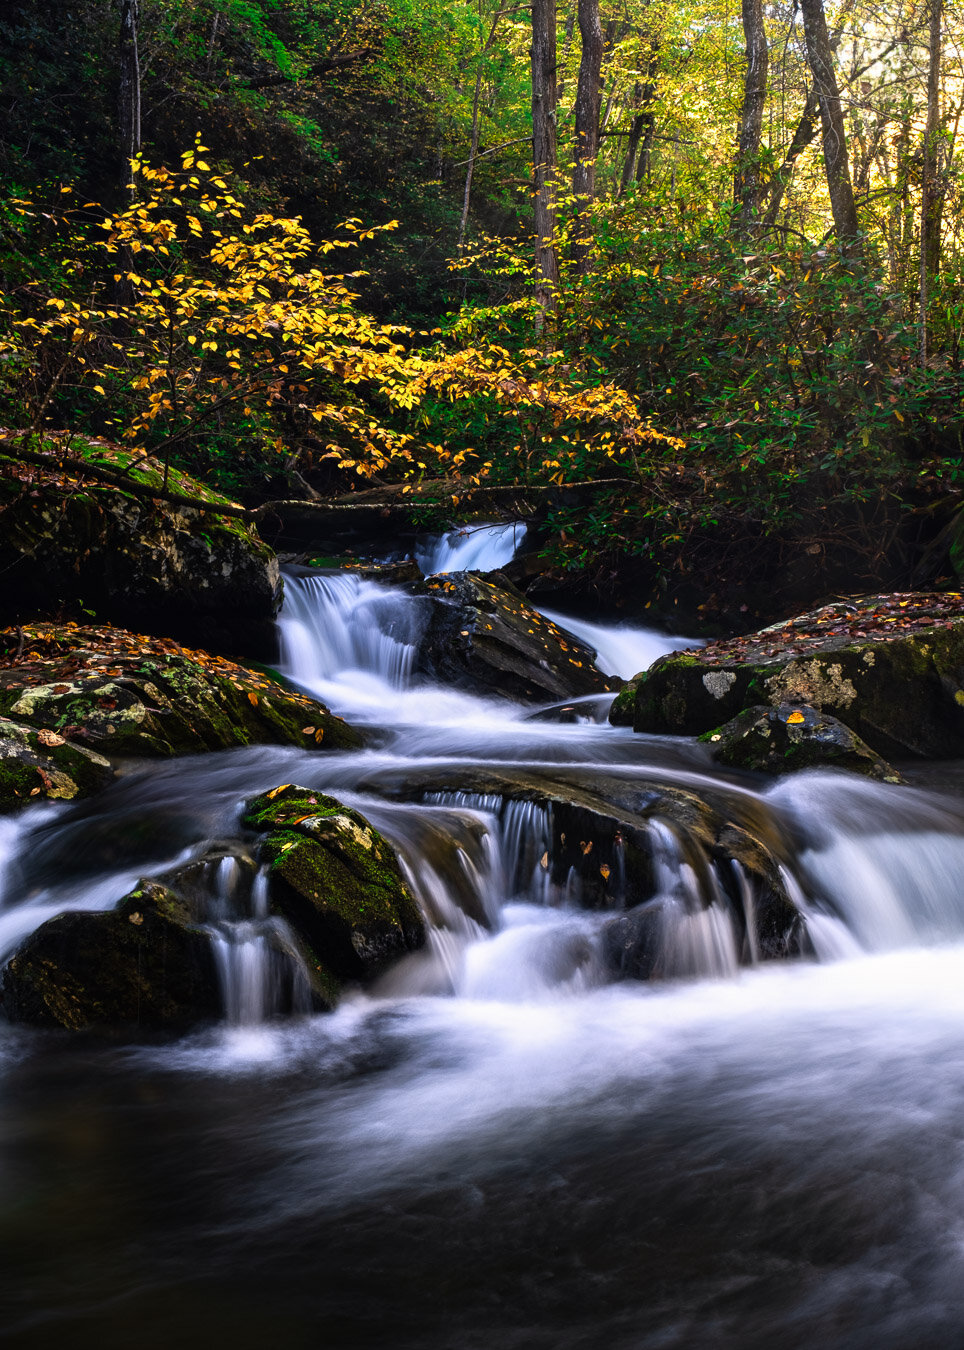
x: 498, y: 1145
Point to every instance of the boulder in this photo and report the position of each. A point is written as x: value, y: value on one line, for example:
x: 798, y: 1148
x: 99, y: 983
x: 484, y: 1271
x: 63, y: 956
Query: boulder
x: 486, y: 639
x: 794, y: 736
x: 122, y: 694
x: 44, y: 764
x: 337, y: 882
x: 147, y: 964
x: 88, y: 547
x: 890, y: 667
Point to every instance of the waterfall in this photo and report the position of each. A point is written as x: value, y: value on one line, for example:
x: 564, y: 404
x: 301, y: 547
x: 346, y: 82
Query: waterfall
x: 621, y: 649
x: 337, y: 625
x: 261, y: 972
x: 473, y: 548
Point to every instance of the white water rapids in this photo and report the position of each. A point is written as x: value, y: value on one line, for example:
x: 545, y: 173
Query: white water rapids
x: 499, y: 1144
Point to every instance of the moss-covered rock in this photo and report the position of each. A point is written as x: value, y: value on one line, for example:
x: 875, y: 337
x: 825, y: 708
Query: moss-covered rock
x: 43, y: 764
x: 486, y: 639
x: 794, y: 736
x: 890, y: 667
x: 122, y: 694
x: 336, y: 881
x: 146, y: 964
x: 623, y: 705
x: 80, y: 545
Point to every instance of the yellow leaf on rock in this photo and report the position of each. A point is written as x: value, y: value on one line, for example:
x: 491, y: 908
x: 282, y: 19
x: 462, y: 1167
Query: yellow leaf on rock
x: 795, y: 718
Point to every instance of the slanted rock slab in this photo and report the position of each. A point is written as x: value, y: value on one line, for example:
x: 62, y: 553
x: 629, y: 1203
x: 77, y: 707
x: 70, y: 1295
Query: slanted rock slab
x: 82, y: 545
x: 44, y: 764
x: 336, y: 881
x: 486, y: 639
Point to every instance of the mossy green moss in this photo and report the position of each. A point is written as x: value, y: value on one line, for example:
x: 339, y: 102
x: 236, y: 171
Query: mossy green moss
x: 336, y: 880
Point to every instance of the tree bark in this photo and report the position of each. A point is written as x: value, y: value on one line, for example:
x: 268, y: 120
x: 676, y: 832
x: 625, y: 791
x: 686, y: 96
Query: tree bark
x: 836, y: 163
x: 476, y: 100
x: 931, y: 208
x: 543, y: 54
x: 588, y: 103
x: 748, y: 186
x: 643, y: 127
x: 129, y: 87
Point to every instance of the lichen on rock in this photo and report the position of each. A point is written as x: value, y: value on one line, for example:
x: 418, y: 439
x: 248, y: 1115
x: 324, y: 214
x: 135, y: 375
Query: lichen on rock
x: 891, y: 667
x: 113, y: 693
x: 41, y: 763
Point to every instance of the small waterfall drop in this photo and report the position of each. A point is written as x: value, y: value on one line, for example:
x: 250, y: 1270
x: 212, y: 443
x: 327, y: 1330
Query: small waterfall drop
x: 621, y: 649
x: 337, y: 625
x: 473, y: 548
x: 261, y: 972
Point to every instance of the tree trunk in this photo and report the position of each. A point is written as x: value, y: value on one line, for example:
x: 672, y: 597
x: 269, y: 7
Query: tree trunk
x: 544, y: 148
x: 803, y: 135
x: 643, y: 126
x: 931, y: 207
x: 473, y: 151
x: 128, y: 133
x: 836, y: 163
x: 748, y: 186
x: 588, y: 102
x: 805, y: 131
x: 129, y: 88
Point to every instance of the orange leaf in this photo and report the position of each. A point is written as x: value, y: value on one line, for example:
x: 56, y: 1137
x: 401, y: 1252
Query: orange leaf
x: 252, y: 697
x: 795, y: 718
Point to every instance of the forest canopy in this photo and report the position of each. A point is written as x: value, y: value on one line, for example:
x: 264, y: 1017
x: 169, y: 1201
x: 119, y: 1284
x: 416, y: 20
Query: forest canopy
x: 707, y: 256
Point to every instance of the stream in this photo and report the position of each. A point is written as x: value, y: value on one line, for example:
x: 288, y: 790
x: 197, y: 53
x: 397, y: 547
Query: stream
x: 498, y: 1145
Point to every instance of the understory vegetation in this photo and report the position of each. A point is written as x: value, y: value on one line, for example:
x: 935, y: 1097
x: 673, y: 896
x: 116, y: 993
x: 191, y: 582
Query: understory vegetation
x: 308, y: 247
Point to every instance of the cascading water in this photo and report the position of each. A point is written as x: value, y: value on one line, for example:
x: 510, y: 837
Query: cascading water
x: 473, y: 548
x: 621, y: 649
x: 261, y: 971
x: 501, y: 1142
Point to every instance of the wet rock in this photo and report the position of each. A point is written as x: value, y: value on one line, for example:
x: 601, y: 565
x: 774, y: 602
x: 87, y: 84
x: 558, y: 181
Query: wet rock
x: 621, y: 712
x: 170, y: 570
x: 795, y: 736
x: 122, y: 694
x: 146, y: 964
x: 890, y: 667
x: 486, y: 639
x: 611, y: 841
x: 336, y: 881
x: 36, y: 764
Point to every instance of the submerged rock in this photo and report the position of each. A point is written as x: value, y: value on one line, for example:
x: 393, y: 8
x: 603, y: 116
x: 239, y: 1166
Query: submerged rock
x: 44, y: 764
x: 486, y: 639
x: 122, y: 694
x: 890, y: 667
x: 146, y: 964
x: 337, y: 882
x: 794, y: 736
x: 145, y: 563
